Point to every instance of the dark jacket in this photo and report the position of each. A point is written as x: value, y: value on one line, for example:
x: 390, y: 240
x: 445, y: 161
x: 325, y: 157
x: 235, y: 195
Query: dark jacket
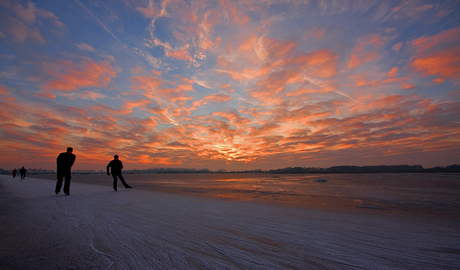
x: 116, y: 166
x: 65, y: 161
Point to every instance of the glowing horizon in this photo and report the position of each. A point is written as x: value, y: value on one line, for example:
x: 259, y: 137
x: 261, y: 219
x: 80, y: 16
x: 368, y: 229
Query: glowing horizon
x: 229, y: 85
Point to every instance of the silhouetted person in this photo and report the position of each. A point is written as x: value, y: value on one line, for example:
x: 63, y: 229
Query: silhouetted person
x: 64, y: 162
x: 23, y: 172
x: 116, y: 166
x: 14, y: 173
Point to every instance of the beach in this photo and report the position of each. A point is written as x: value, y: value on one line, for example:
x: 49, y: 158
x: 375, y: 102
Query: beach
x: 169, y: 228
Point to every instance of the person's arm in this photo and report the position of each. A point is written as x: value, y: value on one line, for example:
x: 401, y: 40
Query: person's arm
x: 73, y: 160
x: 108, y: 166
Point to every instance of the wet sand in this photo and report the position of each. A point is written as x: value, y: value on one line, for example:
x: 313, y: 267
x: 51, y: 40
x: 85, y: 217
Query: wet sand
x: 423, y: 194
x: 97, y: 228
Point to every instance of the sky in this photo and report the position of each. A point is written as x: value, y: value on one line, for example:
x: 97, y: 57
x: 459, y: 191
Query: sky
x: 234, y: 85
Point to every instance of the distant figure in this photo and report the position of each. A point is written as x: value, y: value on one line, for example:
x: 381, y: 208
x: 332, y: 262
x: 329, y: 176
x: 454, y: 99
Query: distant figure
x: 64, y: 162
x: 23, y: 172
x: 14, y: 172
x: 116, y: 166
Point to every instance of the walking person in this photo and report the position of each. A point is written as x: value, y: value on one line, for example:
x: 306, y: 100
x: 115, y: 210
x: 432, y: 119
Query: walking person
x: 64, y: 162
x: 23, y: 172
x: 116, y: 165
x: 14, y: 172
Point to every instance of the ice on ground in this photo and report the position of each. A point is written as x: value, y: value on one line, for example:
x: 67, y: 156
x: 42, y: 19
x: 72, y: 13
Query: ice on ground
x: 97, y: 228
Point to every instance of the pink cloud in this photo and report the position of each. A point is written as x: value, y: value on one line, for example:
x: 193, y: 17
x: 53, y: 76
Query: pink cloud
x: 393, y: 72
x: 71, y: 76
x: 149, y: 12
x: 180, y: 55
x: 85, y: 47
x: 424, y: 43
x: 408, y: 86
x: 374, y: 40
x: 137, y: 70
x: 445, y: 63
x: 20, y: 32
x: 321, y: 63
x: 317, y: 33
x: 397, y: 46
x: 359, y: 59
x: 24, y: 26
x: 218, y: 98
x: 3, y: 90
x: 238, y: 17
x: 149, y: 84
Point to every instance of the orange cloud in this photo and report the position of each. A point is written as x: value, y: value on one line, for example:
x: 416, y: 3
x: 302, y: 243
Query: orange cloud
x: 393, y: 72
x: 374, y: 40
x: 423, y: 43
x: 180, y: 55
x: 238, y: 17
x: 445, y: 64
x: 321, y: 63
x: 408, y: 86
x: 72, y: 76
x: 3, y: 90
x: 218, y: 98
x: 357, y: 60
x: 397, y: 46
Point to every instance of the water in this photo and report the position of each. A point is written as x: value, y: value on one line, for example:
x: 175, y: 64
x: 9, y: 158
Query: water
x: 413, y: 193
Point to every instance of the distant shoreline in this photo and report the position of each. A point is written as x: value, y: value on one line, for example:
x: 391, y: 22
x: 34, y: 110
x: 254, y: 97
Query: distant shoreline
x: 344, y: 169
x: 287, y: 172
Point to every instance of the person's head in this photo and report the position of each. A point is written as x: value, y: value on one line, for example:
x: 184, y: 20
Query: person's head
x: 115, y: 157
x: 69, y: 150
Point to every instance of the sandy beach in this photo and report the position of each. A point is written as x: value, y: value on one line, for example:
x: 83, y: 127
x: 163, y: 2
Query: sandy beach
x: 97, y: 228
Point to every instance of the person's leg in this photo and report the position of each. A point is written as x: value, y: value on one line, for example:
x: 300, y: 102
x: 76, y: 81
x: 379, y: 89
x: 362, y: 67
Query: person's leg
x: 123, y: 180
x: 58, y: 183
x: 67, y: 183
x: 114, y: 182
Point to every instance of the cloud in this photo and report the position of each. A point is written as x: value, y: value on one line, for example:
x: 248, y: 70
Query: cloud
x: 71, y: 76
x: 180, y: 55
x: 357, y: 60
x: 85, y: 47
x: 446, y: 36
x: 238, y: 17
x: 393, y: 72
x: 317, y: 32
x: 445, y: 63
x: 27, y: 21
x: 397, y: 46
x: 19, y: 31
x: 218, y: 98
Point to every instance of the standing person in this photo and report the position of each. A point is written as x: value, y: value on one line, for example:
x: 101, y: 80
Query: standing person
x: 116, y: 166
x: 23, y: 172
x: 64, y: 162
x: 14, y: 172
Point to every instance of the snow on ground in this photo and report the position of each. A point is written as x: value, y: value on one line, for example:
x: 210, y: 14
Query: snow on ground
x: 97, y: 228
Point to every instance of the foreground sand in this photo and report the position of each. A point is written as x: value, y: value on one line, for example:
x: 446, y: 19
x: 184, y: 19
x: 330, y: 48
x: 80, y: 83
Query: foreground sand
x: 96, y: 228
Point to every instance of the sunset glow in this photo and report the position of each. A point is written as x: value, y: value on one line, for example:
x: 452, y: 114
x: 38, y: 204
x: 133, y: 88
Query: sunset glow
x: 229, y: 85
